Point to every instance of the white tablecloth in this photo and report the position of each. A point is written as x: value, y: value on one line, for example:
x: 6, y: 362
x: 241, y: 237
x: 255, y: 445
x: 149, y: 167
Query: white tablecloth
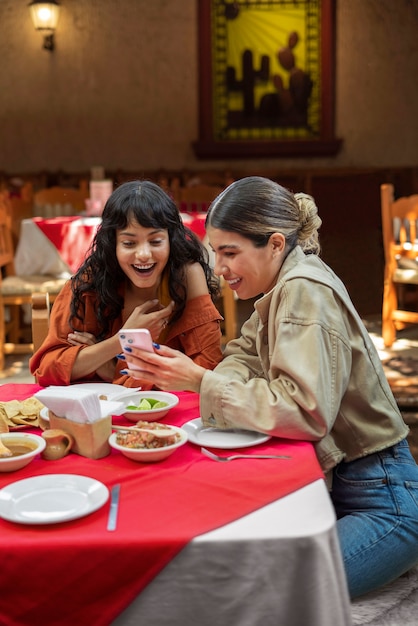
x: 36, y: 254
x: 279, y: 566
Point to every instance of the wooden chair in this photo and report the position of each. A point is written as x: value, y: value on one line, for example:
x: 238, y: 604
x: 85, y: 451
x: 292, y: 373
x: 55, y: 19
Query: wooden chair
x: 229, y: 312
x: 40, y: 318
x: 400, y: 242
x: 16, y: 291
x: 197, y: 198
x: 22, y: 209
x: 55, y: 201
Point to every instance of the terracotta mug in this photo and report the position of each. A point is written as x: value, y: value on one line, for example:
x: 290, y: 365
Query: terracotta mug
x: 58, y: 444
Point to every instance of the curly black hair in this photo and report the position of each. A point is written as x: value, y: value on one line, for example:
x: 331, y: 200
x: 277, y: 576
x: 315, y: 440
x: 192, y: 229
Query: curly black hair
x: 146, y: 203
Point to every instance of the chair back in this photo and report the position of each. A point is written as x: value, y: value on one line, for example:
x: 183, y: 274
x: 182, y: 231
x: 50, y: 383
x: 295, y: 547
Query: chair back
x: 6, y: 241
x: 400, y: 243
x: 56, y: 201
x: 399, y: 224
x: 197, y: 198
x: 6, y: 261
x: 40, y: 318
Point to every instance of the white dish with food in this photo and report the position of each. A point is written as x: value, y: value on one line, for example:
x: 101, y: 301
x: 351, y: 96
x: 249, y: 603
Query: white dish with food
x: 144, y: 448
x: 24, y: 447
x: 148, y: 405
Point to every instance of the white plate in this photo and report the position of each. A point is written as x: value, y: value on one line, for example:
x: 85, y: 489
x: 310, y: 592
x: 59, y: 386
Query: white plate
x: 51, y: 498
x: 225, y: 439
x: 44, y: 413
x: 112, y: 392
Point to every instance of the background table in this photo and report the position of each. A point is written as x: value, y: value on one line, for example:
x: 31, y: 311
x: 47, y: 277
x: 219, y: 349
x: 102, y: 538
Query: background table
x: 55, y: 246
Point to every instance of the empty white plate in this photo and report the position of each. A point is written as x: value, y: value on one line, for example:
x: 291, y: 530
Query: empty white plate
x: 224, y: 439
x: 51, y: 498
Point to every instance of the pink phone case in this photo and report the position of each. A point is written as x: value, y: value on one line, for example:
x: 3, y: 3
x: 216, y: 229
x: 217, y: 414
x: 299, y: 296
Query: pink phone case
x: 138, y: 338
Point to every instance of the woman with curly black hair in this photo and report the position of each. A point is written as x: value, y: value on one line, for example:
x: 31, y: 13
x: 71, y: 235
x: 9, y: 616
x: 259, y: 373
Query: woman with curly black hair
x: 145, y: 269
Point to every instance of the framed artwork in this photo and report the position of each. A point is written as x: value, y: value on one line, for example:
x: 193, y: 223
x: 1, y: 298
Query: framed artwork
x: 266, y: 78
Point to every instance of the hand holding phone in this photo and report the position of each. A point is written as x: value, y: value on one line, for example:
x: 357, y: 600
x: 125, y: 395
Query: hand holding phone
x: 136, y: 338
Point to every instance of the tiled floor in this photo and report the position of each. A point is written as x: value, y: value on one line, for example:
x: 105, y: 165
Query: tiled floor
x: 16, y: 370
x: 406, y: 343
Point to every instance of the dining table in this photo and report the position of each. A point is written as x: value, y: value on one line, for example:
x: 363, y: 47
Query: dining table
x: 240, y: 543
x: 56, y: 246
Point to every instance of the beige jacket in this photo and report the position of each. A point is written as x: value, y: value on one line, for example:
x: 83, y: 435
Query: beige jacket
x: 305, y: 368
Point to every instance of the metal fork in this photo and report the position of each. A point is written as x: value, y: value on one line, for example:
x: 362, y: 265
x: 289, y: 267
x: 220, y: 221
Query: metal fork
x: 215, y: 457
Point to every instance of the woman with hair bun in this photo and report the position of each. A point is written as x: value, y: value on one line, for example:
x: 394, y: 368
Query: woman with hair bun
x: 305, y: 368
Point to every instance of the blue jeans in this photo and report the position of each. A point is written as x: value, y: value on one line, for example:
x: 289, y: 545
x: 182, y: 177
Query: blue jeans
x: 376, y: 502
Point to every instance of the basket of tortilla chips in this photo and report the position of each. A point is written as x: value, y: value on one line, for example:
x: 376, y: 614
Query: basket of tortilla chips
x: 16, y: 414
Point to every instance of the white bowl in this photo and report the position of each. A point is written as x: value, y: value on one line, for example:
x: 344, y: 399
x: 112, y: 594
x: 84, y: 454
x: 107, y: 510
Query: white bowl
x: 152, y: 415
x: 151, y: 455
x: 34, y: 443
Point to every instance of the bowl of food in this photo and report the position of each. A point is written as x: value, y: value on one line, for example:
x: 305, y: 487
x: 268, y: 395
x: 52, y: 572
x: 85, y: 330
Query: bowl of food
x: 148, y: 445
x: 148, y: 405
x: 24, y: 447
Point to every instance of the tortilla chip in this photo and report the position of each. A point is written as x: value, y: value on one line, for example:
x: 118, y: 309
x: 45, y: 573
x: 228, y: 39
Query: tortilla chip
x: 12, y: 408
x: 32, y: 421
x: 25, y: 413
x: 4, y: 427
x: 31, y: 406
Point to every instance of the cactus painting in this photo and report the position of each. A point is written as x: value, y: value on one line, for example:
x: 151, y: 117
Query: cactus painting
x: 283, y: 106
x: 266, y: 78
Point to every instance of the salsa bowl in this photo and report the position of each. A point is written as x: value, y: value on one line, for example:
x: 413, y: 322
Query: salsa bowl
x: 24, y: 446
x: 149, y: 454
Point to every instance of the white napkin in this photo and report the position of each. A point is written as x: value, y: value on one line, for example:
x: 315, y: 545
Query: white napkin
x: 77, y: 405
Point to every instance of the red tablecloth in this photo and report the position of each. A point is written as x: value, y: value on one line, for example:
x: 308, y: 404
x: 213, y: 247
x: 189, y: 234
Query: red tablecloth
x: 196, y: 222
x: 71, y: 236
x: 77, y: 572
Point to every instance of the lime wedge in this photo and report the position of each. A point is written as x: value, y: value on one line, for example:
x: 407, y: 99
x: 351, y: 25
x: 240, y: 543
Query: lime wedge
x: 160, y: 405
x: 144, y: 405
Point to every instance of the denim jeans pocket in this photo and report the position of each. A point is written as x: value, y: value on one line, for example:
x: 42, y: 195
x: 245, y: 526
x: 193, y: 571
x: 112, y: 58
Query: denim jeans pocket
x: 411, y: 487
x: 367, y: 471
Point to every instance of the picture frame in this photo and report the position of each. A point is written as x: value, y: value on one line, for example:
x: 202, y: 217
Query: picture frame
x: 266, y: 78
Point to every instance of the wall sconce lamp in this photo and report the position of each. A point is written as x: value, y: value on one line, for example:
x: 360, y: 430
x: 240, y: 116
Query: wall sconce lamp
x: 45, y: 17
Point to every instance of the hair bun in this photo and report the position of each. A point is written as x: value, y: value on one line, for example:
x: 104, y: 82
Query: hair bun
x: 309, y: 222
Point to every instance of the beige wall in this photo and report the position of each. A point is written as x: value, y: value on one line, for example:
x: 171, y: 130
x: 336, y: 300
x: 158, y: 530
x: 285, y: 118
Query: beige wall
x: 120, y: 90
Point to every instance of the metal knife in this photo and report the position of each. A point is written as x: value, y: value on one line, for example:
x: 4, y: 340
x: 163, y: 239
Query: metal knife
x: 114, y: 505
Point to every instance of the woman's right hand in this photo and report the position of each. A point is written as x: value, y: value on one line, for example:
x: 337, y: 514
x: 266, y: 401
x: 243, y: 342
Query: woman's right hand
x: 173, y: 369
x: 145, y: 316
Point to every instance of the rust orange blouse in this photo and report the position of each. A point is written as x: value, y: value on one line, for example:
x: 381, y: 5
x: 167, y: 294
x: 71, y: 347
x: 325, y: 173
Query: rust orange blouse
x: 197, y: 333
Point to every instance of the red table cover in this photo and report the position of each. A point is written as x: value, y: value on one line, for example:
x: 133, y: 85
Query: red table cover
x: 78, y: 572
x: 70, y: 235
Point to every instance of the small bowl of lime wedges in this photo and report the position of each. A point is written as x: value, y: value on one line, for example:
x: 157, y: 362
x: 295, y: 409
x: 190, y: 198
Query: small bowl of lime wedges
x: 148, y: 405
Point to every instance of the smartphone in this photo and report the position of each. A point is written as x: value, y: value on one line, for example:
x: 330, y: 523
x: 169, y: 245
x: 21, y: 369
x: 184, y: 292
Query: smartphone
x: 138, y: 338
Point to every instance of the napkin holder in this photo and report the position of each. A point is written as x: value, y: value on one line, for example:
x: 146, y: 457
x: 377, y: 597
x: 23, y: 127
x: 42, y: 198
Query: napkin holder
x: 90, y: 439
